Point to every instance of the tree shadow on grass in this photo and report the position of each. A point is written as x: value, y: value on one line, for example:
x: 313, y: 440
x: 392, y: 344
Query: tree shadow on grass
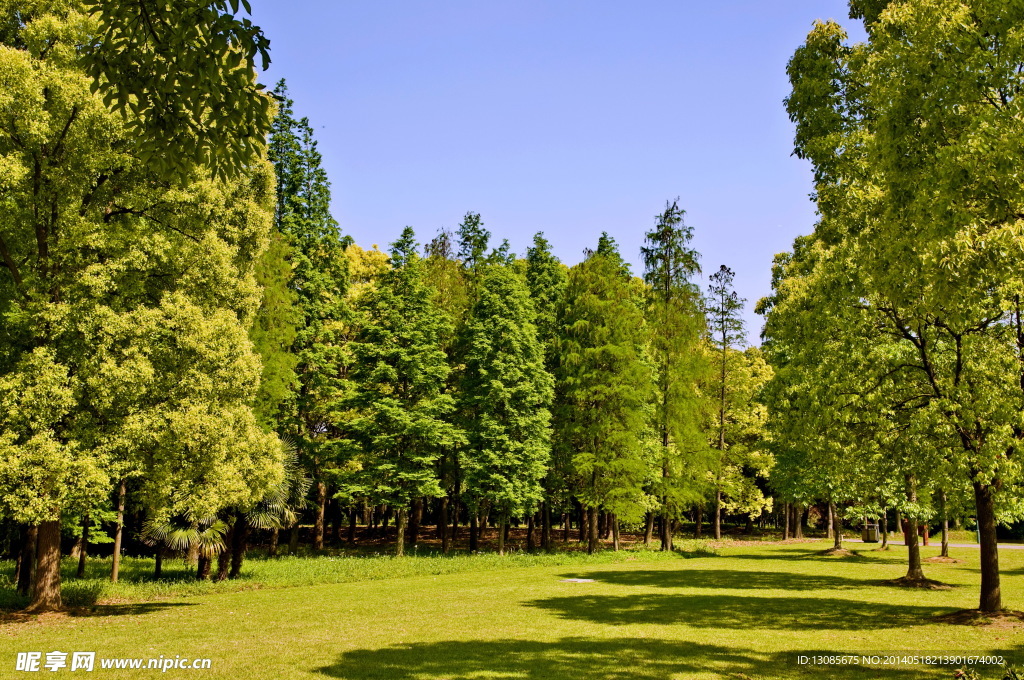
x: 594, y: 659
x: 128, y: 609
x: 730, y: 611
x: 723, y: 578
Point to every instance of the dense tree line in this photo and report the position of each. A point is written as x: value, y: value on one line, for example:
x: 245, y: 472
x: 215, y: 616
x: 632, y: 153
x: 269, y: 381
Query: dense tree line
x: 191, y: 348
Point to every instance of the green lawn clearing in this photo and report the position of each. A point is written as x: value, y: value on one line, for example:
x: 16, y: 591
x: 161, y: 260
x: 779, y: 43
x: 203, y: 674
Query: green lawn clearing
x: 748, y: 612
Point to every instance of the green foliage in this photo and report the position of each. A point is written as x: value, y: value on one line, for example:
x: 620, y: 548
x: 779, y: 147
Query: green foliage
x: 182, y: 76
x: 400, y: 372
x: 604, y: 386
x: 675, y: 324
x: 124, y: 300
x: 506, y: 393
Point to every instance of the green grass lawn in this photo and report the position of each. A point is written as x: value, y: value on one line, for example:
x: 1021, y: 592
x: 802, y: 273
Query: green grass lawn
x: 745, y: 613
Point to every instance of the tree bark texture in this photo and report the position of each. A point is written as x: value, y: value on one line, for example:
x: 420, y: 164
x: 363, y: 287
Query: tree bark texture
x: 46, y: 585
x: 984, y: 501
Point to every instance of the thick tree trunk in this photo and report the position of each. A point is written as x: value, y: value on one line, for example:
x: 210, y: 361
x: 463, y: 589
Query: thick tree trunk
x: 945, y: 524
x: 830, y: 533
x: 991, y: 596
x: 158, y: 562
x: 318, y: 523
x: 46, y: 586
x: 648, y: 529
x: 700, y: 521
x: 502, y: 522
x: 798, y: 516
x: 26, y: 575
x: 203, y: 568
x: 83, y: 548
x: 785, y: 526
x: 239, y: 544
x: 615, y: 532
x: 749, y: 529
x: 115, y: 564
x: 592, y: 531
x: 224, y: 556
x: 400, y: 525
x: 474, y: 536
x: 442, y: 526
x: 836, y: 526
x: 529, y: 534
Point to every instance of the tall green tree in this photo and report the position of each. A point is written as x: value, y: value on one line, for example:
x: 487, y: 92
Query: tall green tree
x: 726, y: 330
x: 605, y: 387
x: 913, y: 136
x: 126, y: 304
x: 400, y: 372
x: 547, y: 278
x: 507, y: 392
x: 319, y: 282
x: 675, y: 324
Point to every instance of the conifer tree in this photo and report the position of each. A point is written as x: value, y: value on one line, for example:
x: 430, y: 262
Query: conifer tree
x: 507, y: 393
x: 604, y: 387
x: 400, y: 372
x: 319, y: 280
x: 726, y: 329
x: 675, y: 325
x: 547, y: 279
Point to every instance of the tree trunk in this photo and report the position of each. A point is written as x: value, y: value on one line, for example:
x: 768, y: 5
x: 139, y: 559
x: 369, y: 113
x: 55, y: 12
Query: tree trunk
x: 798, y: 516
x: 648, y: 529
x: 83, y: 548
x: 836, y: 525
x: 615, y: 532
x: 318, y: 523
x: 26, y: 575
x: 293, y: 539
x: 991, y: 596
x: 830, y: 533
x: 224, y: 556
x: 115, y: 564
x: 502, y: 522
x: 46, y: 586
x: 914, y: 571
x: 474, y: 537
x: 400, y: 526
x: 203, y: 568
x: 945, y: 524
x: 274, y: 538
x: 442, y: 526
x: 158, y: 562
x: 529, y: 534
x: 592, y: 531
x: 545, y: 526
x: 239, y: 544
x: 415, y: 521
x: 749, y: 529
x: 353, y: 518
x: 883, y: 528
x: 785, y: 527
x: 718, y: 514
x: 565, y: 527
x: 700, y: 521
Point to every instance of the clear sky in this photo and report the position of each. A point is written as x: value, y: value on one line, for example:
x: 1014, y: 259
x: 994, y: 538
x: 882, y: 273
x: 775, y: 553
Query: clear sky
x: 569, y: 117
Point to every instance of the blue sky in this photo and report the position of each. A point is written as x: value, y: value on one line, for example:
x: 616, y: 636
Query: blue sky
x: 566, y: 117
